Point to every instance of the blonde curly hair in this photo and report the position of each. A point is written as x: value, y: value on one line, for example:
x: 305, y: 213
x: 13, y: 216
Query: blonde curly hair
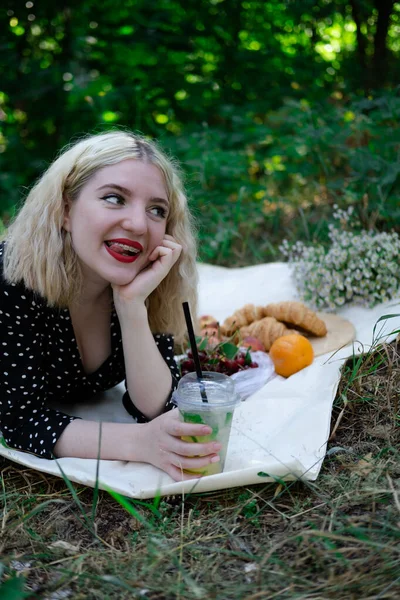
x: 38, y: 251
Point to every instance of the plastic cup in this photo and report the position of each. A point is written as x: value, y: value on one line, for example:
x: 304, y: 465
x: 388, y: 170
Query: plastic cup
x: 217, y: 412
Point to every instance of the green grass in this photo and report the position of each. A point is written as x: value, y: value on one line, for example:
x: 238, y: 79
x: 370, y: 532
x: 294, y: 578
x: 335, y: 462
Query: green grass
x: 337, y: 537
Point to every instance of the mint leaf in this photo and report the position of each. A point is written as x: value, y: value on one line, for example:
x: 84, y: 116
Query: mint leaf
x: 203, y: 344
x: 247, y: 358
x: 192, y: 418
x: 229, y: 350
x: 228, y: 418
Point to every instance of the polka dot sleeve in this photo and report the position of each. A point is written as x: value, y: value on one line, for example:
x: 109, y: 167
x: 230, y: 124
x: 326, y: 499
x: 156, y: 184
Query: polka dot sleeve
x: 25, y: 422
x: 165, y: 345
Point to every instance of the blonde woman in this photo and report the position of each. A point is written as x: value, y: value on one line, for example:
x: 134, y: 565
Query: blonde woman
x: 93, y: 272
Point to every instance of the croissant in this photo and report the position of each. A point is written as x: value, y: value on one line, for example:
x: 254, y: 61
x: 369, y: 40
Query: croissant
x: 267, y: 330
x: 241, y: 318
x: 297, y: 314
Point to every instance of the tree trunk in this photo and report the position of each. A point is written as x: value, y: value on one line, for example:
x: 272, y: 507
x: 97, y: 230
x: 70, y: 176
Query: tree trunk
x: 361, y: 44
x: 380, y: 58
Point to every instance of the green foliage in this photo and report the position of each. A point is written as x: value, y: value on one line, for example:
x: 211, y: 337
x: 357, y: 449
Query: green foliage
x: 274, y: 108
x: 13, y: 589
x: 260, y: 177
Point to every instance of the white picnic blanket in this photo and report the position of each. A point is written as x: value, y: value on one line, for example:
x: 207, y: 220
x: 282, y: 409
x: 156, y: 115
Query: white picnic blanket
x: 281, y: 431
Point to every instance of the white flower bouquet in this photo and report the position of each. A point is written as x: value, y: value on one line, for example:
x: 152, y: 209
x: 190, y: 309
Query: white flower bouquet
x: 358, y: 267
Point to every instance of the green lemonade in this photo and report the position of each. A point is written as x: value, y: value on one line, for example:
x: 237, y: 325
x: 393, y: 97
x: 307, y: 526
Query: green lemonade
x: 220, y: 421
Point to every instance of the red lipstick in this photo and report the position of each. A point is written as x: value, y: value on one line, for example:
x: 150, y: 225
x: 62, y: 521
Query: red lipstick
x: 119, y: 243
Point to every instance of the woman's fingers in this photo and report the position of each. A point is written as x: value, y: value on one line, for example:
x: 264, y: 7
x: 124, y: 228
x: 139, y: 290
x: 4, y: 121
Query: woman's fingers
x: 183, y: 448
x: 168, y: 239
x: 161, y: 261
x: 185, y: 462
x: 169, y: 244
x: 169, y: 249
x: 175, y: 455
x: 179, y: 475
x: 179, y: 428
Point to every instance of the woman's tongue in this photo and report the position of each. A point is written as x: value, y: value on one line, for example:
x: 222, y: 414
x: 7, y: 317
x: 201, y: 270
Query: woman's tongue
x: 120, y: 249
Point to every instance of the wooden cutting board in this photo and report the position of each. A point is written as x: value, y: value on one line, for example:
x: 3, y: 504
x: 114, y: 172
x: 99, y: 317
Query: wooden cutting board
x: 340, y: 333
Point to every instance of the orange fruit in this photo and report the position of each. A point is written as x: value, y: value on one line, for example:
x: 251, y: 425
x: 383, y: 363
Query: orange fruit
x: 291, y: 353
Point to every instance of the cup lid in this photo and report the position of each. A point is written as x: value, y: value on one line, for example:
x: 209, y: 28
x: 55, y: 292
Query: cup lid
x: 219, y: 388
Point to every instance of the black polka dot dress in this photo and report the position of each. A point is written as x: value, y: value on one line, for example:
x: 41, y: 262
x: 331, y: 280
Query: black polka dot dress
x: 40, y: 362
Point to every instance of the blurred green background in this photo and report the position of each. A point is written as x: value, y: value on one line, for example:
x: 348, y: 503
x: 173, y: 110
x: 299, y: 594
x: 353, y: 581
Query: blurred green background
x: 277, y: 110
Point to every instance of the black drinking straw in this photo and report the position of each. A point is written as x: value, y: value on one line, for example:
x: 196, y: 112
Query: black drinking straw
x: 193, y: 346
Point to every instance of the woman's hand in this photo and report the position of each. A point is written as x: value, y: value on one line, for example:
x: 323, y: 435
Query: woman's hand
x: 162, y: 259
x: 165, y: 449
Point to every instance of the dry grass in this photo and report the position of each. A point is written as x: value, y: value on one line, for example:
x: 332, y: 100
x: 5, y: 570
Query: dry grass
x: 335, y: 538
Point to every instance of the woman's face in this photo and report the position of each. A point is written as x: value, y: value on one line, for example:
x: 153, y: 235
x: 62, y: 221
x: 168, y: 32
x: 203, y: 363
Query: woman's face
x: 118, y: 219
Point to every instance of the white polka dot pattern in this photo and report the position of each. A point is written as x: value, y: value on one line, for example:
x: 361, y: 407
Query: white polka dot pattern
x: 39, y: 360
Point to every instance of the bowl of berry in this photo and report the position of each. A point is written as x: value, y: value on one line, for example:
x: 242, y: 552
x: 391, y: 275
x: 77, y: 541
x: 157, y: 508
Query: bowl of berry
x: 219, y: 359
x: 250, y: 369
